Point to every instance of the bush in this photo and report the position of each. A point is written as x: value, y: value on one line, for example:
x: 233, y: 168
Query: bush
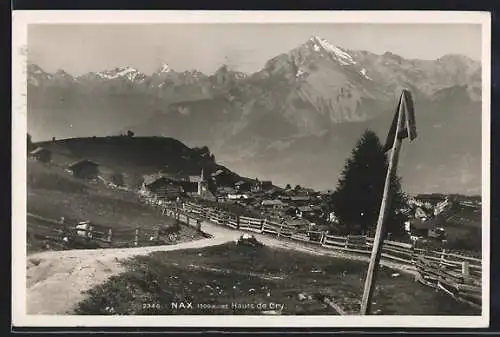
x: 249, y: 241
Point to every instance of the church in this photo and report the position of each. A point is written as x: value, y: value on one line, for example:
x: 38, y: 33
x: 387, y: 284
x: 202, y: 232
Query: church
x: 201, y: 181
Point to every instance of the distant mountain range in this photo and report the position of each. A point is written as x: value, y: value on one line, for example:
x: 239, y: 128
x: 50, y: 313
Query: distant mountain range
x: 294, y: 121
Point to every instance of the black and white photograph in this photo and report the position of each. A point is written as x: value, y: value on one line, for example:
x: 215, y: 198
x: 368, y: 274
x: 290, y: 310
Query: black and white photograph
x: 251, y: 169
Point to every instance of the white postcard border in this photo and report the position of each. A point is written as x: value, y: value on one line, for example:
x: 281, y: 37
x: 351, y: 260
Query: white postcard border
x: 21, y: 19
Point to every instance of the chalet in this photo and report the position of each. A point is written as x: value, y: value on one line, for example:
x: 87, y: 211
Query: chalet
x: 85, y: 169
x: 164, y: 188
x: 260, y: 186
x: 116, y: 179
x: 442, y: 206
x: 41, y: 154
x: 419, y: 227
x: 175, y: 176
x: 222, y: 178
x: 226, y: 190
x: 284, y: 197
x: 421, y: 214
x: 306, y: 191
x: 306, y: 211
x: 170, y: 192
x: 237, y: 196
x: 242, y: 186
x: 188, y: 187
x: 273, y: 204
x: 266, y: 185
x: 217, y: 173
x: 470, y: 204
x: 194, y: 179
x: 273, y: 193
x: 300, y: 200
x: 427, y: 229
x: 246, y: 202
x: 430, y: 199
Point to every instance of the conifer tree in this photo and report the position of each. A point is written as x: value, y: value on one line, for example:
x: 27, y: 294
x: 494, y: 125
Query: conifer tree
x: 356, y: 201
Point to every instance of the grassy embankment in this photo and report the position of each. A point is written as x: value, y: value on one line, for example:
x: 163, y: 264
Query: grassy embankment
x: 222, y: 276
x: 53, y: 193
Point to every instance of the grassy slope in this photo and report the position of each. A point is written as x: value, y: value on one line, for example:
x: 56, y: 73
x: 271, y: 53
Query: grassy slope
x: 227, y: 274
x: 53, y: 193
x: 133, y: 156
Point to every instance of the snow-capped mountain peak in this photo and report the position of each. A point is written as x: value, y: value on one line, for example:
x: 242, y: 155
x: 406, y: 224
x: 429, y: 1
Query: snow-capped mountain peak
x: 363, y: 72
x: 62, y: 73
x: 321, y: 44
x: 128, y: 72
x: 36, y: 75
x: 164, y: 68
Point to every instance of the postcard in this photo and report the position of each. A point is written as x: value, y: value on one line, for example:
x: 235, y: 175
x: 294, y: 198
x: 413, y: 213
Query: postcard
x: 250, y: 169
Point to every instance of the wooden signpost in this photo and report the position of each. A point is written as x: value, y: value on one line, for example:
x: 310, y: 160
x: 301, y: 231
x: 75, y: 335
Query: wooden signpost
x: 403, y: 126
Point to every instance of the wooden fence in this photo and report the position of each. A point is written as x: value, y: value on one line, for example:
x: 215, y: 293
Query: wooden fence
x: 456, y: 275
x: 59, y: 229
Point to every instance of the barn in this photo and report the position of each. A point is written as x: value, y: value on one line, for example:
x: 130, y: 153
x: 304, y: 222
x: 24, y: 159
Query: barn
x: 165, y: 188
x: 41, y: 154
x: 85, y: 169
x: 242, y: 186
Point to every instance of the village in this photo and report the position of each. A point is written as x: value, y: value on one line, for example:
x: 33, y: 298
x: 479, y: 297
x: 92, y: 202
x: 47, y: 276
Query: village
x: 302, y: 208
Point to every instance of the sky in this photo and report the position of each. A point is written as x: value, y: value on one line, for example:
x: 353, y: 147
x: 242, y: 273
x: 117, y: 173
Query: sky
x: 81, y: 48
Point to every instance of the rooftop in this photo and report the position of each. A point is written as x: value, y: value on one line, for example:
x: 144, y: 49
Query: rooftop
x: 83, y: 162
x: 39, y: 150
x: 272, y: 202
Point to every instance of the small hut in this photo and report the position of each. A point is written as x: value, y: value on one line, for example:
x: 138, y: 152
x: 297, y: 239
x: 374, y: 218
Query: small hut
x: 85, y: 169
x: 41, y: 154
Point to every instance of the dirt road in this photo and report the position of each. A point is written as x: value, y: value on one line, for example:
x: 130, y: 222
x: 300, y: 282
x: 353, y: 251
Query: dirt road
x: 56, y: 279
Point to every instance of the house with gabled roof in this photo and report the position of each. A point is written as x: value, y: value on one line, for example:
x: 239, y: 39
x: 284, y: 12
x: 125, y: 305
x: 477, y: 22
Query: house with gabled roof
x: 41, y: 154
x: 85, y: 169
x: 242, y: 186
x: 163, y: 187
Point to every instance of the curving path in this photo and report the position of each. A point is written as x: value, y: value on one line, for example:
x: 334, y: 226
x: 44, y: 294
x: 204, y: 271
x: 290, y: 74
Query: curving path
x: 56, y: 279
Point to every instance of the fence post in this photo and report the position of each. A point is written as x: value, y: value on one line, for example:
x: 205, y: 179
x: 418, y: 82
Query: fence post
x: 322, y: 239
x: 198, y: 225
x: 443, y: 252
x: 412, y: 251
x: 110, y: 234
x: 136, y: 237
x: 279, y: 230
x: 62, y: 224
x: 261, y: 225
x: 346, y: 245
x: 465, y: 268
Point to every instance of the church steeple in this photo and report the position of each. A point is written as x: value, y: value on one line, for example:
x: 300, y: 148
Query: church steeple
x: 201, y: 182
